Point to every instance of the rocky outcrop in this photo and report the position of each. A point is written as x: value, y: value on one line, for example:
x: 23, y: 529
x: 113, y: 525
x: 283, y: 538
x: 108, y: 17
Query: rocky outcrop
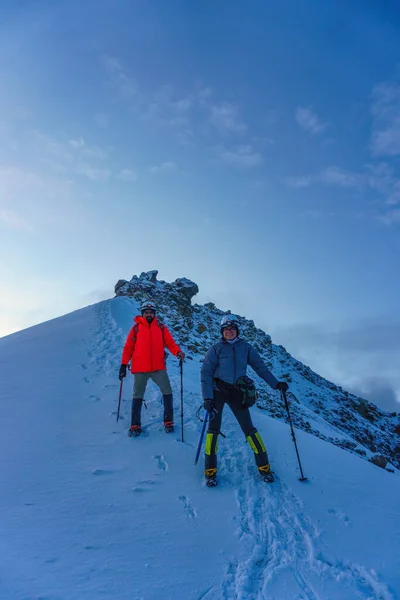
x: 146, y: 286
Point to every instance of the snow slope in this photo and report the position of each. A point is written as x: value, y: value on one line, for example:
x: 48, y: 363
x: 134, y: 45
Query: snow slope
x: 90, y: 514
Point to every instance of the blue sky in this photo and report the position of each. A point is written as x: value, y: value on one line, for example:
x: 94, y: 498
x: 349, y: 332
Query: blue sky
x: 252, y: 147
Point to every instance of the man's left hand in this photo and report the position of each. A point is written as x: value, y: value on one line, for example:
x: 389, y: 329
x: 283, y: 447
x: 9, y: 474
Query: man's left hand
x: 282, y: 386
x: 181, y: 355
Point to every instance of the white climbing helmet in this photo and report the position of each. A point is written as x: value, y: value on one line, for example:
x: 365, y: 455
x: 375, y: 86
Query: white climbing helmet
x: 147, y: 305
x: 229, y: 321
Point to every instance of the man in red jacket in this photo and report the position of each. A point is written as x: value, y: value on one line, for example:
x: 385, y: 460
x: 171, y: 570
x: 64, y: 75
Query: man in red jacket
x: 144, y: 347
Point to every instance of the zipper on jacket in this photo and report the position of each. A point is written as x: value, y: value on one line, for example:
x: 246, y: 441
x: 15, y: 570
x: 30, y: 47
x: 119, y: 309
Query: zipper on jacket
x: 150, y: 346
x: 234, y: 363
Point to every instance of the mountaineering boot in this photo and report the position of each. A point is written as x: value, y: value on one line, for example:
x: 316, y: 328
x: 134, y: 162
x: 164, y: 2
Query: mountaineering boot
x: 136, y: 412
x: 168, y: 426
x: 211, y: 477
x: 266, y: 473
x: 134, y: 431
x: 168, y: 416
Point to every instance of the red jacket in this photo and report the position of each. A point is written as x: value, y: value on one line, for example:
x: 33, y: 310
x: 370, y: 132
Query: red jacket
x: 145, y: 346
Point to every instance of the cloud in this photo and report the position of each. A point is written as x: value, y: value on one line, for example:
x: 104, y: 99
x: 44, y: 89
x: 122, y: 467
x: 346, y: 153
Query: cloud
x: 392, y: 217
x: 330, y: 176
x: 102, y: 119
x: 124, y: 83
x: 30, y: 200
x: 308, y: 120
x: 300, y: 182
x: 74, y: 156
x: 166, y: 167
x: 92, y: 172
x: 379, y: 179
x: 378, y: 391
x: 193, y: 115
x: 241, y: 156
x: 225, y: 117
x: 337, y: 176
x: 127, y: 175
x: 385, y: 109
x: 14, y: 221
x: 362, y: 355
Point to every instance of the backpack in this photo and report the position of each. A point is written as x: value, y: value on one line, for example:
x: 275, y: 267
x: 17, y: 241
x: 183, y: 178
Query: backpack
x: 248, y: 391
x: 136, y: 330
x: 161, y: 326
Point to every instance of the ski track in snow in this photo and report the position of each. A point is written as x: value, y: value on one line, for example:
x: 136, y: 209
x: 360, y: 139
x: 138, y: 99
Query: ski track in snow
x: 280, y: 541
x: 283, y: 546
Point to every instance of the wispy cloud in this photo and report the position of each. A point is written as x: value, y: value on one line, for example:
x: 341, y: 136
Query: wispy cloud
x: 197, y: 115
x: 308, y: 120
x: 342, y: 178
x: 225, y: 117
x: 380, y: 179
x: 127, y: 175
x: 392, y: 217
x: 302, y: 181
x: 12, y: 220
x: 352, y: 354
x: 385, y: 109
x: 123, y: 82
x: 30, y: 201
x: 166, y: 167
x: 330, y: 176
x: 92, y: 172
x: 102, y: 119
x: 241, y: 156
x: 74, y: 156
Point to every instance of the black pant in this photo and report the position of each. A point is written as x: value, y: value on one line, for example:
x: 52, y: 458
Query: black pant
x: 242, y: 414
x: 137, y: 410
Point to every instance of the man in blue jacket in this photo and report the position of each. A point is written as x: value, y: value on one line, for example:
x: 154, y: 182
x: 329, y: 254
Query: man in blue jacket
x: 226, y: 362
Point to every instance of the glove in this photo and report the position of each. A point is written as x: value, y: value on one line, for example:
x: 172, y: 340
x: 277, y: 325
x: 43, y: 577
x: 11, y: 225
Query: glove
x: 209, y: 405
x: 181, y: 355
x: 122, y: 372
x: 282, y: 386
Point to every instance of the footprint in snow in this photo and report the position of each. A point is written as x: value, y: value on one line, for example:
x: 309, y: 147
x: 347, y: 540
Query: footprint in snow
x: 147, y: 482
x: 143, y: 482
x: 339, y: 515
x: 188, y: 507
x: 161, y: 462
x: 93, y: 398
x: 101, y: 472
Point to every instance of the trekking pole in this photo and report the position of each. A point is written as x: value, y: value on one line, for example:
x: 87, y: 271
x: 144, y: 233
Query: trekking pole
x: 181, y: 369
x: 201, y: 438
x: 119, y: 399
x: 302, y: 478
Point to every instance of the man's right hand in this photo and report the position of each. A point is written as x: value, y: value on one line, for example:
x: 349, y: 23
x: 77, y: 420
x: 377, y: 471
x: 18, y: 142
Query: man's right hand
x: 122, y: 372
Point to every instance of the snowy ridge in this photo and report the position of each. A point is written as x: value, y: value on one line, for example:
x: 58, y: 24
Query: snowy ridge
x: 90, y: 514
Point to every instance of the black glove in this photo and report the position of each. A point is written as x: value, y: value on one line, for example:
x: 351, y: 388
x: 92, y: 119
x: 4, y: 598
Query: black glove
x: 209, y: 405
x: 282, y: 386
x: 122, y: 372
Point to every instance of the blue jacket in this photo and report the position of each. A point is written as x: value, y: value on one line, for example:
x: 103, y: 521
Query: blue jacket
x: 229, y: 362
